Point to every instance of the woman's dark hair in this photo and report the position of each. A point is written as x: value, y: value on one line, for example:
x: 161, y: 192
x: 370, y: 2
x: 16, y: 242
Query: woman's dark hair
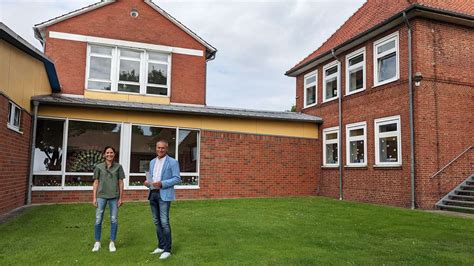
x: 108, y: 147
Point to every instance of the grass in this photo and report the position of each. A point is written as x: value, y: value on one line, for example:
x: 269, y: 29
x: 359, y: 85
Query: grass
x: 283, y: 231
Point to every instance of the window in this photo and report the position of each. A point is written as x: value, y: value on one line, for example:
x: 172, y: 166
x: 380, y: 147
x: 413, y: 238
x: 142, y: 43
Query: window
x: 330, y: 148
x: 386, y: 65
x: 310, y: 89
x: 330, y: 81
x: 356, y: 144
x: 66, y: 152
x: 14, y: 116
x: 355, y: 72
x: 387, y: 141
x: 125, y: 70
x: 143, y: 149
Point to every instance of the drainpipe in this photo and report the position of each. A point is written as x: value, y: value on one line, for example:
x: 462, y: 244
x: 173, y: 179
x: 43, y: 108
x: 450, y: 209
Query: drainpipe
x: 339, y: 144
x: 32, y: 152
x: 412, y: 133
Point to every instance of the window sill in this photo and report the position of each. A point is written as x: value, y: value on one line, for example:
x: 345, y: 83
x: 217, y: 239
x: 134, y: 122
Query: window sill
x: 389, y: 166
x: 385, y: 82
x: 354, y: 92
x: 309, y: 106
x: 89, y: 188
x: 356, y: 166
x: 17, y: 130
x: 129, y: 93
x: 330, y: 100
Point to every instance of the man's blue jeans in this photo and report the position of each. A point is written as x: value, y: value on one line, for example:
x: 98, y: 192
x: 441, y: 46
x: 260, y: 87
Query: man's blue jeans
x: 99, y: 215
x: 160, y: 211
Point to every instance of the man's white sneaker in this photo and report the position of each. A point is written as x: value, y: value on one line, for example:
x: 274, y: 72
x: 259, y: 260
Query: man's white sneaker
x: 96, y: 247
x: 112, y: 247
x: 157, y: 251
x: 165, y: 255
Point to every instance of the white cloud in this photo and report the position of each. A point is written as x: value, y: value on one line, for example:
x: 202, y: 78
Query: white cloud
x: 257, y: 41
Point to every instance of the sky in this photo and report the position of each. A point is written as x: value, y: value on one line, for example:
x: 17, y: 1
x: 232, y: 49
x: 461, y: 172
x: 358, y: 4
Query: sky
x: 257, y: 40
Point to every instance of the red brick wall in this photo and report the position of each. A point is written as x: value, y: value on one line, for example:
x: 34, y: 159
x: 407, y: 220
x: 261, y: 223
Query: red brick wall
x: 113, y: 21
x: 237, y: 165
x: 14, y: 158
x: 444, y: 121
x: 368, y: 184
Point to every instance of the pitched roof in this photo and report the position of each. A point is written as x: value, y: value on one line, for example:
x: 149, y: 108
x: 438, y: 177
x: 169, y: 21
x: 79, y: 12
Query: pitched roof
x: 177, y: 109
x: 40, y: 27
x: 14, y: 39
x: 376, y: 12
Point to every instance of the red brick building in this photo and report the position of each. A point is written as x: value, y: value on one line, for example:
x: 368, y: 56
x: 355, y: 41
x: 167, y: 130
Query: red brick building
x: 131, y: 74
x: 359, y: 82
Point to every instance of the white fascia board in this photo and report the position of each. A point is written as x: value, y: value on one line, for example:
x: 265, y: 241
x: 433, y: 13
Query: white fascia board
x: 122, y: 43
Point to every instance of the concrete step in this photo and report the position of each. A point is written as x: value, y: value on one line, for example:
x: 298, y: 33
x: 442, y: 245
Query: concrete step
x: 455, y: 202
x: 464, y: 192
x: 462, y: 196
x: 468, y: 187
x: 452, y: 207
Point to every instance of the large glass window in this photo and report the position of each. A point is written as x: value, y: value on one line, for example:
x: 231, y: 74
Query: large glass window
x: 355, y: 72
x: 356, y: 144
x: 386, y: 66
x: 330, y: 81
x: 310, y: 89
x: 67, y: 151
x: 330, y: 146
x: 126, y: 70
x: 143, y: 149
x: 387, y: 141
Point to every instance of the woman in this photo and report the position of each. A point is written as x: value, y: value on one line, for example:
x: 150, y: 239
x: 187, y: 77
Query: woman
x: 107, y: 188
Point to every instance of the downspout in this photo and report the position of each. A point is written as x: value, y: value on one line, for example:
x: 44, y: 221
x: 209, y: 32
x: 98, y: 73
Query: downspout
x: 32, y: 152
x: 410, y: 95
x: 339, y: 144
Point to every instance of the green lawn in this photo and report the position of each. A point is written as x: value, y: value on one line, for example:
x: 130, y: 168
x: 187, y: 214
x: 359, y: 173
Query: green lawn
x: 284, y: 231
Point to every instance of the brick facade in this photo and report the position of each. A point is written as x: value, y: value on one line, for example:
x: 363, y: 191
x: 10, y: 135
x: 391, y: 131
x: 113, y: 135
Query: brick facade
x: 114, y: 22
x: 235, y: 165
x: 14, y: 159
x: 441, y: 131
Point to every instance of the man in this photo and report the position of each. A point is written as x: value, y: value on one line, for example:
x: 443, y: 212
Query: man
x: 165, y: 173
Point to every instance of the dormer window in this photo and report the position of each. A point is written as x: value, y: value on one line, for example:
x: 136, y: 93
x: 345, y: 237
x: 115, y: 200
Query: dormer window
x: 127, y: 70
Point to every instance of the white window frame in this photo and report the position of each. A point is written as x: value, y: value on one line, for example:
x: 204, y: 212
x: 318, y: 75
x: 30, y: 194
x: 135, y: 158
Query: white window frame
x: 385, y: 121
x: 140, y: 75
x: 11, y: 117
x: 115, y: 69
x: 124, y: 160
x: 356, y: 66
x: 327, y: 131
x: 382, y: 41
x: 338, y: 81
x: 355, y: 126
x: 305, y: 86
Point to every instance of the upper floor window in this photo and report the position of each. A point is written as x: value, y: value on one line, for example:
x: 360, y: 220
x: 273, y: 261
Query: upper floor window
x: 330, y: 146
x: 14, y: 115
x: 387, y: 141
x: 386, y: 65
x: 356, y: 144
x: 310, y: 89
x: 330, y: 81
x: 355, y: 72
x: 126, y: 70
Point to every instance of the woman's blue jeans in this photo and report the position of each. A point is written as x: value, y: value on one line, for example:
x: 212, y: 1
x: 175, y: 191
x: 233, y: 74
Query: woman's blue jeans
x: 99, y: 216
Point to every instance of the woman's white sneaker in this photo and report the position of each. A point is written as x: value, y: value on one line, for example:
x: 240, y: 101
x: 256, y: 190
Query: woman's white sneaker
x: 96, y: 247
x: 112, y: 247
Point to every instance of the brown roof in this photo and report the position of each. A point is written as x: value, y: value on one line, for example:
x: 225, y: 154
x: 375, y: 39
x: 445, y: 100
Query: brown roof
x: 375, y: 12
